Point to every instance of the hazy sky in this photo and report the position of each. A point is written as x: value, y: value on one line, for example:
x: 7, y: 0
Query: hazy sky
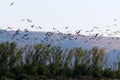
x: 77, y: 14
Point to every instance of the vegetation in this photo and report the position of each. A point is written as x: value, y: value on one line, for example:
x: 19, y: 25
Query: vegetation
x: 46, y: 62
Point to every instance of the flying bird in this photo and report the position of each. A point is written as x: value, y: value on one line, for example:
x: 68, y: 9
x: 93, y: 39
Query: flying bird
x: 26, y: 30
x: 95, y: 27
x: 96, y: 35
x: 16, y: 33
x: 29, y: 20
x: 87, y: 31
x: 66, y: 27
x: 107, y: 29
x: 115, y: 19
x: 54, y: 28
x: 114, y: 24
x: 9, y: 27
x: 78, y: 32
x: 11, y: 3
x: 92, y: 30
x: 40, y: 27
x: 22, y: 20
x: 32, y: 26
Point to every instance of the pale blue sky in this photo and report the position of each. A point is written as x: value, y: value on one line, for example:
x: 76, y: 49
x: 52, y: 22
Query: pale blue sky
x: 77, y: 14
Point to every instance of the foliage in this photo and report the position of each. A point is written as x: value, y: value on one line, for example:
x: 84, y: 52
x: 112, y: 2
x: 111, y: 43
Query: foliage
x: 45, y: 62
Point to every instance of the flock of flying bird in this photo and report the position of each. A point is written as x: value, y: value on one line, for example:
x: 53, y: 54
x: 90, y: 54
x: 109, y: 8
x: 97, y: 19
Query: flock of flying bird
x: 70, y: 36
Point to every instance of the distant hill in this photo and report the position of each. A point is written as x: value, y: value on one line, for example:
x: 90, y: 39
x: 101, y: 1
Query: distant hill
x: 110, y: 44
x: 60, y: 39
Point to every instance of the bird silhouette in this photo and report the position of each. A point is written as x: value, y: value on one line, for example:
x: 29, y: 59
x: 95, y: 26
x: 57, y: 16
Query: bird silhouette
x: 16, y: 33
x: 96, y: 35
x: 22, y: 20
x: 114, y: 24
x: 32, y: 26
x: 9, y: 27
x: 11, y: 3
x: 107, y: 29
x: 95, y: 27
x: 78, y: 32
x: 115, y: 19
x: 66, y: 27
x: 40, y: 27
x: 54, y: 28
x: 26, y: 30
x: 29, y: 20
x: 92, y: 30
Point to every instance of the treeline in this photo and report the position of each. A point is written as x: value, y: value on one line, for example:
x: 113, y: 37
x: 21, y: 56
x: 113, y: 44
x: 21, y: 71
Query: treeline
x: 52, y: 62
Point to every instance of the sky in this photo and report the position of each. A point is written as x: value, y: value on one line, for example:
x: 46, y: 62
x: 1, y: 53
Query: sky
x: 76, y: 14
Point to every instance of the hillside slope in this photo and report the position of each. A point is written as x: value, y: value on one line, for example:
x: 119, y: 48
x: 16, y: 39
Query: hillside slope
x: 22, y: 38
